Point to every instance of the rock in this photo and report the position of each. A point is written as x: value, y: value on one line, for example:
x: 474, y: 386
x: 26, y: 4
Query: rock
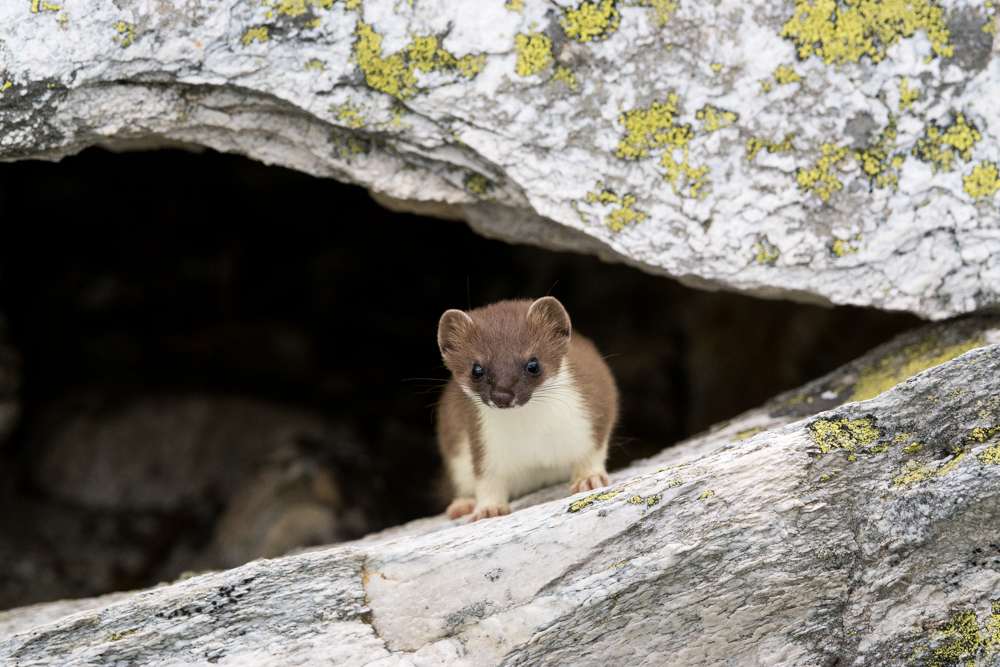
x: 130, y: 496
x: 163, y: 453
x: 290, y: 502
x: 762, y: 148
x: 858, y: 535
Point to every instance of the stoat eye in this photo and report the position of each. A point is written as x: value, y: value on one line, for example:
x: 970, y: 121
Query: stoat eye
x: 477, y: 372
x: 533, y: 367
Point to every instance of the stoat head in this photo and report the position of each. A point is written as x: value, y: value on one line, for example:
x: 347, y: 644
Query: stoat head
x: 502, y: 354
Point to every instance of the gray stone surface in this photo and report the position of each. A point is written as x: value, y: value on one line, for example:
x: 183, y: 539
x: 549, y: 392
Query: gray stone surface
x: 859, y: 535
x: 775, y: 148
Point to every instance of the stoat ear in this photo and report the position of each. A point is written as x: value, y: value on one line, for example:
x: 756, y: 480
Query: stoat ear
x: 549, y: 315
x: 454, y: 326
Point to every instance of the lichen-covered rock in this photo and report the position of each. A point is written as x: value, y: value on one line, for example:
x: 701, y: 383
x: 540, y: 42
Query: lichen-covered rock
x: 859, y: 535
x: 836, y: 151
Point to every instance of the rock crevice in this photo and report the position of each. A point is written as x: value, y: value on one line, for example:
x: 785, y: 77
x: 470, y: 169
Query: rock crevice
x: 859, y: 533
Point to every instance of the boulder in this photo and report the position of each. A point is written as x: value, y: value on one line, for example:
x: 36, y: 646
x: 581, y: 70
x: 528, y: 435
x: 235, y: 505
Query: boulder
x: 854, y: 527
x: 125, y: 496
x: 831, y: 152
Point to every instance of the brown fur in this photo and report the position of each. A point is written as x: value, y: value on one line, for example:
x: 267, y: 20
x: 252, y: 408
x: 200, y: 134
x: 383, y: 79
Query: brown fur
x: 502, y: 338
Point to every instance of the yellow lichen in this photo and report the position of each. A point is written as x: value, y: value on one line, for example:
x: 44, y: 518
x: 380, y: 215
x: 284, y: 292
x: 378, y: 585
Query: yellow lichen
x: 991, y: 24
x: 534, y: 52
x: 469, y: 65
x: 765, y: 86
x: 990, y: 456
x: 819, y: 179
x: 396, y: 74
x: 983, y: 181
x: 716, y: 67
x: 591, y: 20
x: 713, y: 118
x: 906, y: 96
x: 565, y: 75
x: 515, y: 6
x: 742, y: 435
x: 786, y: 74
x: 660, y: 11
x: 314, y: 23
x: 765, y: 253
x: 126, y: 34
x: 654, y: 128
x: 683, y: 172
x: 118, y: 635
x: 315, y: 64
x: 590, y: 500
x: 851, y: 435
x: 913, y: 447
x: 939, y: 147
x: 6, y: 85
x: 911, y: 360
x: 647, y: 502
x: 755, y: 144
x: 707, y: 493
x: 39, y: 5
x: 841, y: 248
x: 962, y: 641
x: 395, y: 123
x: 296, y: 7
x: 350, y: 114
x: 646, y: 129
x: 981, y: 434
x: 913, y: 473
x: 259, y: 33
x: 847, y: 30
x: 878, y: 162
x: 620, y: 217
x: 349, y: 147
x: 479, y: 185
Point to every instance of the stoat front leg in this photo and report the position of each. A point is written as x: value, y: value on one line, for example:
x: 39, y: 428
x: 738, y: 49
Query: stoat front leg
x: 589, y: 472
x: 492, y: 497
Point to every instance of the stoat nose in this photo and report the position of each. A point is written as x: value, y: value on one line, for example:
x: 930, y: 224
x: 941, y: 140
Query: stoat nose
x: 502, y: 398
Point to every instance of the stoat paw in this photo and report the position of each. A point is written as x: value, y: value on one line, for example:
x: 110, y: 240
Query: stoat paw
x: 460, y: 507
x: 589, y: 483
x: 489, y: 512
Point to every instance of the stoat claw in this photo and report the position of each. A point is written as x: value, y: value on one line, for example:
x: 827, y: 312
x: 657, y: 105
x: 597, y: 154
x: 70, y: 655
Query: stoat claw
x: 489, y: 512
x: 590, y: 483
x: 459, y: 507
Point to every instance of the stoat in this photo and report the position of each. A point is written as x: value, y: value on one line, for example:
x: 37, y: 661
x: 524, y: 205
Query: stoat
x: 530, y: 403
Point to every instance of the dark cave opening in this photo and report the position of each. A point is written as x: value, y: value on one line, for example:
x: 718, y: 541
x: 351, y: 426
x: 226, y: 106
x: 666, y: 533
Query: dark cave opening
x: 161, y: 301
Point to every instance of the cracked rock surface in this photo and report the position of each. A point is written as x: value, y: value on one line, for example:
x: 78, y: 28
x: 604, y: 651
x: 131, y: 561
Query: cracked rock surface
x: 859, y: 534
x: 762, y: 147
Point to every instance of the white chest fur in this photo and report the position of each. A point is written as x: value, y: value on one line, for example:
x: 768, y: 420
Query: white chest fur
x: 538, y: 443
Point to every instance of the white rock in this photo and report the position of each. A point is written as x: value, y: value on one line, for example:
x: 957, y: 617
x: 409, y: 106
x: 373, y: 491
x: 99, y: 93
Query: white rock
x: 518, y: 125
